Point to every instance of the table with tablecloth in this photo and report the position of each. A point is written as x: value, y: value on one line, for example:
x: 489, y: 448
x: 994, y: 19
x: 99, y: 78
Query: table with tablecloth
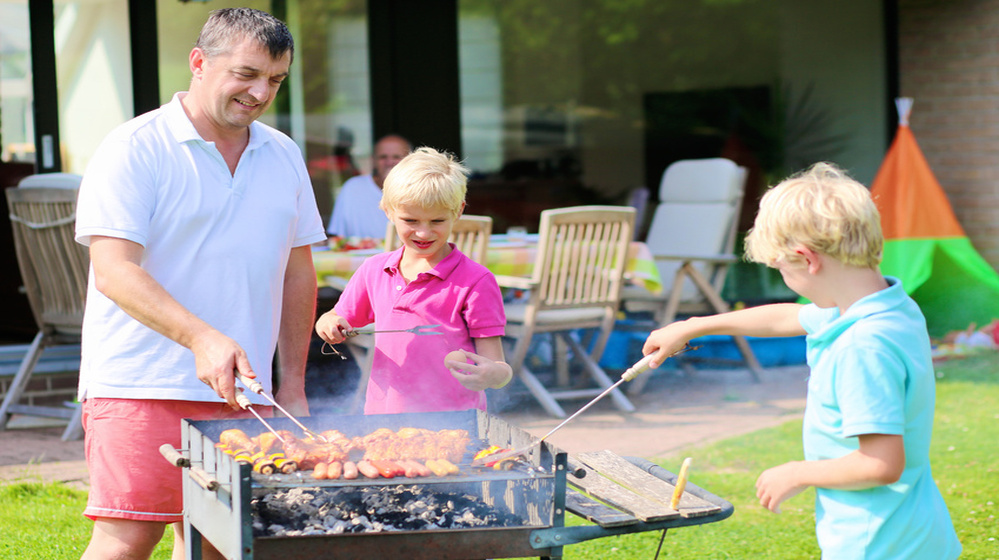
x: 505, y: 257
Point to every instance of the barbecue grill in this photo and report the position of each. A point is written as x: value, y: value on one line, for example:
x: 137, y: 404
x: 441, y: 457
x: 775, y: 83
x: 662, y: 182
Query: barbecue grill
x: 512, y: 513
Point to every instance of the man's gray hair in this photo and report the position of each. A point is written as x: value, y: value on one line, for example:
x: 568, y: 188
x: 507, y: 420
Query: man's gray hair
x: 228, y: 27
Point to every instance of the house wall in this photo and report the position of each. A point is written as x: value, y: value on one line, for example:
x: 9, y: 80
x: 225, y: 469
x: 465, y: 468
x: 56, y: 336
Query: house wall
x: 949, y: 63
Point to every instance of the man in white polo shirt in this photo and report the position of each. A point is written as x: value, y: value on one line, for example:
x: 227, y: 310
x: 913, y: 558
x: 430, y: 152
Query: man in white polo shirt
x: 199, y: 221
x: 356, y: 212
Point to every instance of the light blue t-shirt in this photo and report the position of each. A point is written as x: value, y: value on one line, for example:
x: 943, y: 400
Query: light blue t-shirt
x: 872, y: 373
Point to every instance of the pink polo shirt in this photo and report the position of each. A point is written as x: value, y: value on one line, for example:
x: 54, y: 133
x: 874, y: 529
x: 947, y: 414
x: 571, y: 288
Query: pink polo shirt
x: 408, y: 372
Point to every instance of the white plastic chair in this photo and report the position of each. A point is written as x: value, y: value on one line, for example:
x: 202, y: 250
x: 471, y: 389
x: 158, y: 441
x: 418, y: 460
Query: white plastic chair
x: 692, y: 236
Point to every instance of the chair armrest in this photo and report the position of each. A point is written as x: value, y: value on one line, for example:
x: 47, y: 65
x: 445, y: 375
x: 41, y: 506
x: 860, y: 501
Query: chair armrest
x: 718, y: 258
x: 516, y: 282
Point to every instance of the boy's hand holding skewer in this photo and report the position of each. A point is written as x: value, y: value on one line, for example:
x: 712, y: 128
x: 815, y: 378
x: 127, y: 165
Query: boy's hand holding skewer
x: 333, y: 328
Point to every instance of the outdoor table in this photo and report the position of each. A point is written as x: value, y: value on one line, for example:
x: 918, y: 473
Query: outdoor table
x: 506, y: 257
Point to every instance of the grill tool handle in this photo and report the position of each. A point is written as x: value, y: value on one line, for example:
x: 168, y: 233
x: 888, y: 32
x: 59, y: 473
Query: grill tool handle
x: 640, y: 367
x: 252, y: 384
x: 198, y: 474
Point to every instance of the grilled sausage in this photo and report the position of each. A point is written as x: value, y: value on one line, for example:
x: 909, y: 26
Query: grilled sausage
x: 334, y: 470
x: 319, y: 473
x: 349, y: 470
x: 436, y: 468
x: 388, y: 469
x: 442, y: 467
x: 367, y: 469
x: 414, y: 468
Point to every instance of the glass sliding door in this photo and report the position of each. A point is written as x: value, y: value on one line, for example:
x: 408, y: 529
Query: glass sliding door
x: 325, y: 104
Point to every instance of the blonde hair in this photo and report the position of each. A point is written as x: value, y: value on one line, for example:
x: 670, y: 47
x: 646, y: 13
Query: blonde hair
x: 822, y: 209
x: 428, y: 179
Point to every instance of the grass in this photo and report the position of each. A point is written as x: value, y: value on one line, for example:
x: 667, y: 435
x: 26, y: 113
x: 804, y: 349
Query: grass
x: 43, y: 521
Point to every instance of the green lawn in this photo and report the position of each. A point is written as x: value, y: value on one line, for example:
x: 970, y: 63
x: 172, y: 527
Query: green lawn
x: 43, y: 521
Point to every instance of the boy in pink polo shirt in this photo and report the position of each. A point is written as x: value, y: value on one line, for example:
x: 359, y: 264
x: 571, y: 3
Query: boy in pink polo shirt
x: 427, y: 281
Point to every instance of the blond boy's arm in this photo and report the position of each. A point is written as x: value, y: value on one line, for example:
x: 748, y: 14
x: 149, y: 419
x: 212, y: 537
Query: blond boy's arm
x: 879, y: 460
x: 779, y: 319
x: 488, y: 369
x: 332, y: 328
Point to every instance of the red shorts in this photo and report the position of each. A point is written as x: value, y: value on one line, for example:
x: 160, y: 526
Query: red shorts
x: 129, y: 479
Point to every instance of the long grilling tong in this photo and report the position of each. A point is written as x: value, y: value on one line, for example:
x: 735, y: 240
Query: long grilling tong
x: 628, y: 375
x: 256, y: 387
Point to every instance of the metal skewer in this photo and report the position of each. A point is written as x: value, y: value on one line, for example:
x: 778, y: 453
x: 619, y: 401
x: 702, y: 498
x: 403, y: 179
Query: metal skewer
x: 256, y: 387
x: 628, y: 375
x: 421, y: 330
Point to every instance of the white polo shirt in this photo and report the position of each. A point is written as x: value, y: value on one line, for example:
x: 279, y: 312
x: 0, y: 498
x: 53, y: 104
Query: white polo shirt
x: 356, y: 212
x: 218, y: 243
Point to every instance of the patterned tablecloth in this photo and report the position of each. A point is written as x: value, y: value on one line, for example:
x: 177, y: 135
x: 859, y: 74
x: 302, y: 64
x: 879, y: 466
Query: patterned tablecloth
x: 505, y: 257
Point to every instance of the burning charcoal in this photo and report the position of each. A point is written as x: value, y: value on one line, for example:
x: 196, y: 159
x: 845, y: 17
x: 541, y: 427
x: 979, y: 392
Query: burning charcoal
x: 336, y: 511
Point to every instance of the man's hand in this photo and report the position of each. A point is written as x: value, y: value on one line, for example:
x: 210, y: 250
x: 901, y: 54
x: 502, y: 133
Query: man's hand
x: 218, y: 359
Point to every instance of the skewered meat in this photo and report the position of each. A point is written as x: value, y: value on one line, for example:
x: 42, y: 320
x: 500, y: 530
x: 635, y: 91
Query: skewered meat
x: 237, y: 440
x: 414, y: 443
x: 401, y: 453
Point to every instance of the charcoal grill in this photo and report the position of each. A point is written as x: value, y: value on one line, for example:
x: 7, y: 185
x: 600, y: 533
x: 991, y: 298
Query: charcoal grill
x: 218, y: 493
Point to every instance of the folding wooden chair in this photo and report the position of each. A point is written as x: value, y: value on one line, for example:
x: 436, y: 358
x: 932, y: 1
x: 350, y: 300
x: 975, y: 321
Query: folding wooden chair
x: 54, y: 270
x: 575, y: 284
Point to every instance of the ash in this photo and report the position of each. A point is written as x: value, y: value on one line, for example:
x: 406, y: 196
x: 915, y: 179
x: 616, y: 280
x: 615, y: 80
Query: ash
x: 319, y: 511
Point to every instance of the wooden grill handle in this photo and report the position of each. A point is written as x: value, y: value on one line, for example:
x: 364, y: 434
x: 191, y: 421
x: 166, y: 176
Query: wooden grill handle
x: 197, y: 474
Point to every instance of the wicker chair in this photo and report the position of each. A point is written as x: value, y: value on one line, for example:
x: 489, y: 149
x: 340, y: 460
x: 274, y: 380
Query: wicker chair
x: 54, y: 270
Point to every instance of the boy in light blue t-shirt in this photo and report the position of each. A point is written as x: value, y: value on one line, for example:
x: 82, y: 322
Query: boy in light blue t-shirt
x: 869, y: 410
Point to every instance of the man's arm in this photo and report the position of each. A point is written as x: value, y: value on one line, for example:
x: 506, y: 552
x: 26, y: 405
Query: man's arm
x: 879, y: 460
x: 119, y: 276
x: 297, y: 315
